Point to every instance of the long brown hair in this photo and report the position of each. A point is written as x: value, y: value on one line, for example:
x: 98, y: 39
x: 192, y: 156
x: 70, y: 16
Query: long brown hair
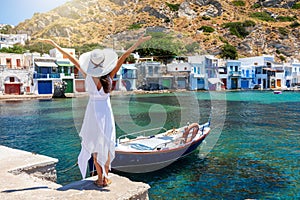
x: 105, y: 82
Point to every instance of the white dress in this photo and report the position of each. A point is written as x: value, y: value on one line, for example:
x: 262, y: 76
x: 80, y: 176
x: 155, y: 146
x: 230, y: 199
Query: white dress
x: 98, y: 129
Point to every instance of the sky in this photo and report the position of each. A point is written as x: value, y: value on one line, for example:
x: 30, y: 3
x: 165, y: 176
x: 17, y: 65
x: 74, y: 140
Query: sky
x: 15, y: 11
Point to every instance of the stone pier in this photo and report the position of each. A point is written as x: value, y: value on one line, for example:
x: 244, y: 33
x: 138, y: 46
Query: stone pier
x: 25, y: 175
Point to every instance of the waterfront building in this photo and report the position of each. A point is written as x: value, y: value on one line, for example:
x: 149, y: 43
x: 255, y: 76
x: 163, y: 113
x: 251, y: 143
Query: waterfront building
x: 211, y: 65
x: 234, y: 74
x: 260, y: 64
x: 45, y: 75
x: 295, y: 79
x: 180, y: 70
x: 197, y: 74
x: 126, y: 77
x: 223, y: 75
x: 15, y: 75
x: 12, y: 60
x: 152, y: 75
x: 68, y: 72
x: 204, y: 73
x: 247, y: 77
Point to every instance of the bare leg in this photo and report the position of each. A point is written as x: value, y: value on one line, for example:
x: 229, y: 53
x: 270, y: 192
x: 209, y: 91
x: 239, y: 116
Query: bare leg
x: 106, y: 180
x: 98, y: 169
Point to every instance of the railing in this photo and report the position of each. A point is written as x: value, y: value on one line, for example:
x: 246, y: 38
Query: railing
x: 128, y: 76
x: 248, y: 76
x: 139, y: 133
x: 234, y: 73
x: 143, y: 133
x: 39, y: 75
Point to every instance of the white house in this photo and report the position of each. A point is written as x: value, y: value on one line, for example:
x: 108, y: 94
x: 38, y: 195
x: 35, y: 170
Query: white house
x: 125, y: 79
x: 260, y: 64
x: 197, y: 75
x: 11, y: 39
x: 234, y: 74
x: 179, y: 69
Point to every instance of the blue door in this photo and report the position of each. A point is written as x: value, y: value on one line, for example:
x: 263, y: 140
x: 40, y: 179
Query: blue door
x: 200, y: 83
x: 245, y: 84
x: 45, y: 87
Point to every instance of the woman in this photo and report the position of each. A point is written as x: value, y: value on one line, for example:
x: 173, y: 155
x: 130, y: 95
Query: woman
x: 98, y: 128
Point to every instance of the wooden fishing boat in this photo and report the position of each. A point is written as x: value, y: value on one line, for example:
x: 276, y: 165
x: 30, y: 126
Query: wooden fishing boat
x: 140, y: 153
x: 277, y: 92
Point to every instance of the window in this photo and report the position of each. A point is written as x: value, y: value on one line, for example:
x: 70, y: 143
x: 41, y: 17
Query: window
x: 150, y: 70
x: 18, y: 63
x: 156, y: 70
x: 8, y: 63
x: 247, y: 73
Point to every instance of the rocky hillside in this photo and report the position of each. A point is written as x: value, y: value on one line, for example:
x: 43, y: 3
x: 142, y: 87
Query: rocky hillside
x: 254, y: 27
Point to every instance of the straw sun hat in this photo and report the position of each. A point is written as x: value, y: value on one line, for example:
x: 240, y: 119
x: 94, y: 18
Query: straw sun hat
x: 98, y: 62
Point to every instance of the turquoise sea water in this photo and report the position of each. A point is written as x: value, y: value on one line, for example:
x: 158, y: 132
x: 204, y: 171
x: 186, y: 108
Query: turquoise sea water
x: 255, y: 157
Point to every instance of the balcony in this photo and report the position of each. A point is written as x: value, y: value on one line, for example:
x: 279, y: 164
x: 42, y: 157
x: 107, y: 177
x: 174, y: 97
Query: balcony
x: 234, y: 73
x: 129, y: 76
x: 38, y: 75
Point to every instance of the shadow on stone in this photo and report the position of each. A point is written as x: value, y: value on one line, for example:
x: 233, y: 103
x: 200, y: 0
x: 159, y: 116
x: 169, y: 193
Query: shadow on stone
x: 83, y: 185
x: 24, y: 189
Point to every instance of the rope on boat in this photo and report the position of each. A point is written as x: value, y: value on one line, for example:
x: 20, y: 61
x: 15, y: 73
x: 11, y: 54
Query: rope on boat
x: 68, y: 169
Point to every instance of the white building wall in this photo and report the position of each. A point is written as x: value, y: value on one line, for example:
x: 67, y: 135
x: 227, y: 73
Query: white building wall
x: 11, y: 39
x: 10, y: 60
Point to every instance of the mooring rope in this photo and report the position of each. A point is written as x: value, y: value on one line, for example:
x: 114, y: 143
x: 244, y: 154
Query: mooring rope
x: 68, y: 169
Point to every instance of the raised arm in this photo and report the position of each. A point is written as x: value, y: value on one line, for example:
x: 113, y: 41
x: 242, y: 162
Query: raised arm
x: 68, y: 55
x: 127, y: 53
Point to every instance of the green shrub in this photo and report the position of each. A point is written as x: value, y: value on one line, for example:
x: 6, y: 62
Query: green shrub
x: 296, y: 6
x: 239, y: 28
x: 286, y: 18
x: 223, y: 39
x: 191, y: 48
x: 18, y: 49
x: 295, y: 24
x: 262, y: 16
x: 282, y: 58
x: 135, y: 26
x: 283, y: 31
x: 207, y: 29
x: 239, y: 3
x: 173, y: 7
x: 249, y: 23
x: 256, y: 5
x: 228, y: 51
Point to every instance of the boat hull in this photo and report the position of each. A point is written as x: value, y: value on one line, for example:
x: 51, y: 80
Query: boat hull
x: 142, y: 162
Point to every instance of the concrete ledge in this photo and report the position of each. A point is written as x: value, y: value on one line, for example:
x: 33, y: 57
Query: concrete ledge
x: 26, y: 175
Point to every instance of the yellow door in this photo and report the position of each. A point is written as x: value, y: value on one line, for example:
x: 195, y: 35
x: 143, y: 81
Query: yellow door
x: 278, y: 84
